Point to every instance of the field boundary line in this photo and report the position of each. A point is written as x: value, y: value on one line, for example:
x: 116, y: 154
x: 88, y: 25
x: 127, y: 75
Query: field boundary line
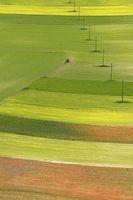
x: 74, y: 163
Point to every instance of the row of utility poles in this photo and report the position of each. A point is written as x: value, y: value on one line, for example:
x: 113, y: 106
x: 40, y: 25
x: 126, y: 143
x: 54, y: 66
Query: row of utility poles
x: 96, y: 50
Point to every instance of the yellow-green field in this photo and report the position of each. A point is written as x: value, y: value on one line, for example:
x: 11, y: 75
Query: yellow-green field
x: 87, y: 153
x: 66, y: 97
x: 68, y: 10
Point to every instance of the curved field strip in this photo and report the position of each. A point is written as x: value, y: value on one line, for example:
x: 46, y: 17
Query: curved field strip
x: 63, y: 178
x: 68, y: 10
x: 19, y: 69
x: 65, y: 131
x: 15, y: 194
x: 66, y: 2
x: 88, y: 153
x: 39, y: 180
x: 99, y: 117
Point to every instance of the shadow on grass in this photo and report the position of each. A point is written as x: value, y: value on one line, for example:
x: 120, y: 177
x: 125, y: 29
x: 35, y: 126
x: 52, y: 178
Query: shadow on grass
x: 73, y: 11
x: 104, y: 66
x: 38, y: 128
x: 95, y: 51
x: 83, y: 29
x: 123, y: 102
x: 89, y: 39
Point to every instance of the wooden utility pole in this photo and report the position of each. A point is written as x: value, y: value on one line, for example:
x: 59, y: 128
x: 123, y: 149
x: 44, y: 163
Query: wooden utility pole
x: 84, y: 24
x: 96, y: 40
x: 79, y: 11
x: 111, y: 72
x: 89, y: 32
x: 122, y: 91
x: 74, y: 6
x: 103, y: 62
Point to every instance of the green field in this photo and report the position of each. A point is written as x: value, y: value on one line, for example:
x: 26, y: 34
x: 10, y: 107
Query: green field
x: 62, y: 2
x: 68, y: 10
x: 48, y: 105
x: 18, y: 71
x: 103, y: 154
x: 83, y: 108
x: 85, y: 90
x: 26, y: 37
x: 63, y: 7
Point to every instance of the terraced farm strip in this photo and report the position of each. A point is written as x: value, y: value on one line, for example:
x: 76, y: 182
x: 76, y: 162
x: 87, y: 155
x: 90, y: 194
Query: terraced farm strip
x: 40, y: 180
x: 62, y: 2
x: 84, y: 152
x: 79, y: 116
x: 65, y: 131
x: 67, y: 10
x: 92, y: 87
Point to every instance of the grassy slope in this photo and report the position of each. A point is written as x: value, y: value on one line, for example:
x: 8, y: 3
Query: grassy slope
x: 34, y: 40
x: 82, y: 86
x: 71, y: 101
x: 67, y: 151
x: 65, y: 131
x: 48, y: 149
x: 18, y: 59
x: 19, y: 69
x: 70, y: 39
x: 62, y: 2
x: 68, y: 10
x: 22, y: 47
x: 99, y: 116
x: 62, y: 7
x: 75, y: 108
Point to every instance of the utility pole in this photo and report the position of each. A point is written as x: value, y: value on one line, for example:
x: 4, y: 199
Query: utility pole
x: 122, y: 91
x: 79, y: 11
x: 74, y: 6
x: 89, y: 32
x: 84, y: 24
x: 96, y: 41
x: 111, y: 72
x: 103, y: 64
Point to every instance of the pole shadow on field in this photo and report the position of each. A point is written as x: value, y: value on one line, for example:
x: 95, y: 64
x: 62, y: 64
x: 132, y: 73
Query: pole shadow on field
x: 74, y: 6
x: 89, y: 34
x: 122, y: 101
x: 103, y: 60
x: 84, y: 28
x: 96, y: 50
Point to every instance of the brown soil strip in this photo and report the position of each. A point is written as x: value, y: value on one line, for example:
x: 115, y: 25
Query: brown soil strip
x: 23, y: 179
x: 65, y: 131
x: 106, y: 133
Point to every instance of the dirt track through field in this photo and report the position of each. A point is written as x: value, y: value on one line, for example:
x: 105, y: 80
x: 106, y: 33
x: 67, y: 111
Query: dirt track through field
x: 23, y: 179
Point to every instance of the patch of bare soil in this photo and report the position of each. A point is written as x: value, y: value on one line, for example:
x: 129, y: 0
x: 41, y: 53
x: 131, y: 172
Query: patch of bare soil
x: 25, y: 179
x: 105, y: 133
